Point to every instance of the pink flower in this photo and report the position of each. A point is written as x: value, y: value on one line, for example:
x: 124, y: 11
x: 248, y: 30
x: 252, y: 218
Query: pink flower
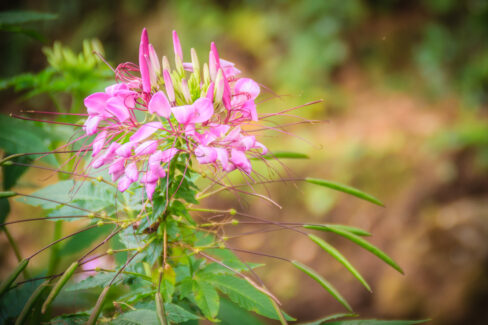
x: 198, y: 112
x: 98, y: 143
x: 205, y: 155
x: 159, y: 105
x: 145, y: 131
x: 239, y: 159
x: 143, y: 66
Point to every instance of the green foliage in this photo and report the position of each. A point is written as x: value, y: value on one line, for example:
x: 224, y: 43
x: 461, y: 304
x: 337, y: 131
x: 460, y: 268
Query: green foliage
x: 14, y: 21
x: 344, y: 188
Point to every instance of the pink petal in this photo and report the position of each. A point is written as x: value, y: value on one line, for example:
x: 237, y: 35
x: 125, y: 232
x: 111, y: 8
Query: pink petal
x: 247, y: 86
x: 125, y: 150
x: 261, y: 146
x: 124, y: 183
x: 91, y: 124
x: 219, y: 130
x: 183, y: 114
x: 116, y: 169
x: 203, y: 110
x: 210, y: 91
x: 120, y: 89
x: 146, y: 148
x: 223, y: 157
x: 143, y: 55
x: 205, y: 155
x: 168, y: 84
x: 160, y: 105
x: 154, y: 61
x: 96, y: 103
x: 239, y: 159
x: 250, y: 108
x: 146, y: 131
x: 150, y: 188
x: 248, y: 142
x: 188, y: 66
x: 98, y: 143
x: 154, y: 173
x: 168, y: 154
x: 116, y: 106
x: 177, y: 46
x: 131, y: 172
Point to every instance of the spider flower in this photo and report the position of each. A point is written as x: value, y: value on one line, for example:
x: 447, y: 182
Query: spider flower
x: 154, y: 112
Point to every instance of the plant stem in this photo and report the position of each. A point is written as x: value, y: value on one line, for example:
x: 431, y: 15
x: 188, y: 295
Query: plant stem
x: 15, y: 248
x: 54, y: 257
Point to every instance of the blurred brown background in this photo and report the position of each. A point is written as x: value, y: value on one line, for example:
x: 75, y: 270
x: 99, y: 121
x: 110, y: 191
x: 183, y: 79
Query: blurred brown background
x: 405, y: 89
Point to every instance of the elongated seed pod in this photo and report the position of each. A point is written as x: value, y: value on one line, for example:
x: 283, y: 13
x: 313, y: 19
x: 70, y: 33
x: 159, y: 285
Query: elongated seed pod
x: 98, y: 307
x: 160, y: 308
x: 30, y: 302
x: 59, y: 285
x: 11, y: 278
x: 5, y: 194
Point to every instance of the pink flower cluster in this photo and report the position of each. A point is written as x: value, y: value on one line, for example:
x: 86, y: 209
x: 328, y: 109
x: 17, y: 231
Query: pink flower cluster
x: 155, y: 112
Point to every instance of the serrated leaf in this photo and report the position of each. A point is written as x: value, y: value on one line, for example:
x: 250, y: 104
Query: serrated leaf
x: 327, y: 227
x: 98, y: 280
x: 340, y: 258
x: 18, y: 136
x: 137, y: 317
x: 344, y: 188
x: 177, y: 314
x: 366, y: 245
x: 324, y: 283
x: 230, y: 312
x: 206, y: 297
x: 12, y: 302
x: 377, y: 322
x: 243, y: 294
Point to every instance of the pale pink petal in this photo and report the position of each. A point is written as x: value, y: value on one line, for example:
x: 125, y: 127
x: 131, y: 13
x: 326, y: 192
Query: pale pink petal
x: 168, y: 84
x: 261, y: 146
x: 239, y: 159
x: 143, y: 55
x: 146, y: 131
x: 219, y: 130
x: 150, y: 188
x: 210, y: 91
x: 120, y: 89
x: 98, y: 143
x: 116, y: 106
x: 160, y: 105
x: 125, y: 150
x: 205, y: 155
x: 131, y: 172
x: 250, y: 109
x: 124, y: 183
x: 247, y: 86
x: 91, y: 124
x: 203, y: 110
x: 223, y: 157
x: 248, y: 142
x: 96, y: 103
x: 183, y: 114
x: 188, y: 66
x: 177, y: 46
x: 168, y: 154
x: 146, y: 148
x: 117, y: 169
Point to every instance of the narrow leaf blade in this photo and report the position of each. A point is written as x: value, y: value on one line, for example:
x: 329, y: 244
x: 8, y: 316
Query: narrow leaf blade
x: 339, y: 257
x: 344, y: 188
x: 324, y: 283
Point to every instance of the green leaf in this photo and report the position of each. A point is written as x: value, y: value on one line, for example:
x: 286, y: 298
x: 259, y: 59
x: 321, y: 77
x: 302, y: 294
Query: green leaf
x: 345, y: 189
x: 18, y: 17
x: 339, y: 257
x: 19, y: 136
x: 206, y: 297
x: 283, y: 155
x: 327, y: 286
x: 230, y: 312
x: 11, y: 173
x: 84, y: 240
x: 12, y: 302
x: 364, y: 244
x: 4, y: 209
x: 243, y: 294
x: 99, y: 280
x: 377, y: 322
x: 328, y: 318
x: 327, y: 227
x: 137, y: 317
x: 70, y: 319
x: 177, y: 314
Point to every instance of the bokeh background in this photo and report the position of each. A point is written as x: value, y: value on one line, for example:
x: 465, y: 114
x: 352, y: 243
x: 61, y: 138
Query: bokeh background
x: 405, y: 90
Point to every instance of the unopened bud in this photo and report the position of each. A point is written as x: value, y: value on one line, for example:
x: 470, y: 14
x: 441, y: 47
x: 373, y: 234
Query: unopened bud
x: 234, y: 221
x: 99, y: 178
x: 110, y: 251
x: 185, y: 90
x: 100, y: 223
x: 219, y: 87
x: 206, y: 74
x: 165, y: 63
x: 195, y: 64
x: 232, y: 212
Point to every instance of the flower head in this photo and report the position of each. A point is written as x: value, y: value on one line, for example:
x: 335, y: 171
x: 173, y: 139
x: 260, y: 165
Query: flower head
x: 145, y: 120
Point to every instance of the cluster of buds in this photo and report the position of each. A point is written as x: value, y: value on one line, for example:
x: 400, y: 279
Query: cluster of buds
x: 154, y: 112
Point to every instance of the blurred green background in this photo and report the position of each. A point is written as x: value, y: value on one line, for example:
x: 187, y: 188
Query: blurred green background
x: 405, y: 90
